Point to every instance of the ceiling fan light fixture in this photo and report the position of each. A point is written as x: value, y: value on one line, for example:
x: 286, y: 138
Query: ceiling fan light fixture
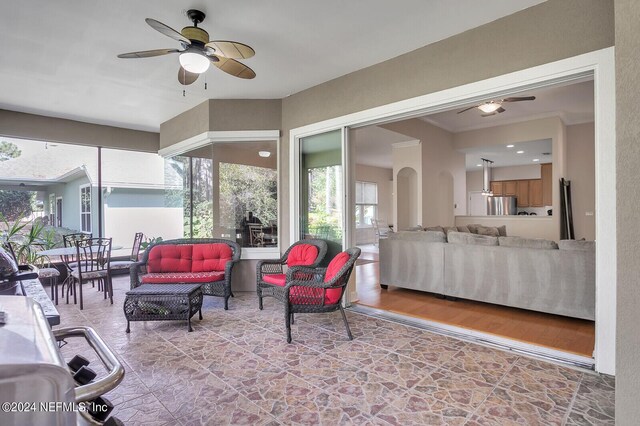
x: 264, y: 154
x: 194, y: 62
x: 489, y: 107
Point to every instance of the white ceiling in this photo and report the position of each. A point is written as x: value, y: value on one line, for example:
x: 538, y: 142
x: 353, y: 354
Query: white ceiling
x: 573, y: 103
x: 59, y: 57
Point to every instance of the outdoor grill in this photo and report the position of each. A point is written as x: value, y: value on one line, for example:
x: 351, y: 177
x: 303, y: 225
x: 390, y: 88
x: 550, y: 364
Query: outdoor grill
x: 11, y: 274
x: 37, y: 387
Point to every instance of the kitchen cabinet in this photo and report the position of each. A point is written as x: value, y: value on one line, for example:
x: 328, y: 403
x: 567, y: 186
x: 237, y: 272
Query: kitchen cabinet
x: 546, y: 173
x: 496, y: 188
x: 510, y: 188
x: 535, y: 193
x: 522, y: 192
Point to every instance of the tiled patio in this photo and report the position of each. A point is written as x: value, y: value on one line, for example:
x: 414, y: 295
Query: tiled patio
x: 236, y: 368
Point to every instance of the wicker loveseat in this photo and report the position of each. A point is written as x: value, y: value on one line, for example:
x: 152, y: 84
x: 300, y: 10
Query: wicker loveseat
x: 206, y: 261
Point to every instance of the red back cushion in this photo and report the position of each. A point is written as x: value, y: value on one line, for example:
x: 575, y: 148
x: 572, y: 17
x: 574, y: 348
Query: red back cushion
x: 210, y: 257
x: 333, y: 294
x: 170, y: 258
x: 302, y: 255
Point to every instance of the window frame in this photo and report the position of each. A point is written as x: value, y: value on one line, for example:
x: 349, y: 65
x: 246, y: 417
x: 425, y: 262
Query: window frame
x: 83, y: 213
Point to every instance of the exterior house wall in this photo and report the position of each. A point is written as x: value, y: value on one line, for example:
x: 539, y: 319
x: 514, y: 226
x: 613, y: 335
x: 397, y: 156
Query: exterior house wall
x: 70, y: 193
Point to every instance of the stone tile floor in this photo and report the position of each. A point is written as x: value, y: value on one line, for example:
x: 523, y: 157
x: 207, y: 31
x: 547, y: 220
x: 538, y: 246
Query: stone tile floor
x: 236, y: 368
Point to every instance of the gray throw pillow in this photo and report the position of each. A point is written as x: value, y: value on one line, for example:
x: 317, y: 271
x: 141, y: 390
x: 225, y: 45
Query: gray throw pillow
x: 478, y: 240
x: 463, y: 228
x: 473, y: 228
x: 502, y: 230
x: 448, y: 229
x: 579, y: 245
x: 434, y: 228
x: 533, y: 243
x: 488, y: 230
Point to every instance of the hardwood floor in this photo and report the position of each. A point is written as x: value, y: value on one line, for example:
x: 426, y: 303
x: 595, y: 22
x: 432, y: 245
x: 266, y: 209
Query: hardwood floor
x: 553, y: 331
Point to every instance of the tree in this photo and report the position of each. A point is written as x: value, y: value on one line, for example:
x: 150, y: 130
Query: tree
x: 8, y: 151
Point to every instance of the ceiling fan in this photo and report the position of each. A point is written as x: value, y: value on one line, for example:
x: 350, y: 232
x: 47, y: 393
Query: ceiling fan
x: 198, y: 52
x: 495, y: 107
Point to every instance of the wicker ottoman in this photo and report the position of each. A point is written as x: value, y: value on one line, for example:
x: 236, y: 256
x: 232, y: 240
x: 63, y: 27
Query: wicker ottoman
x: 163, y: 302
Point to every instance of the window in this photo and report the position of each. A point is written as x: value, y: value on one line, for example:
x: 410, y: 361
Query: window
x: 366, y: 203
x: 52, y: 209
x: 85, y: 208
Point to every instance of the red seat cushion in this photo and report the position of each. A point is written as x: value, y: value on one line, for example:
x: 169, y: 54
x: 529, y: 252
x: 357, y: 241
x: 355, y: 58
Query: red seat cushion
x: 275, y: 279
x: 170, y: 258
x: 302, y: 255
x: 182, y: 277
x: 210, y: 257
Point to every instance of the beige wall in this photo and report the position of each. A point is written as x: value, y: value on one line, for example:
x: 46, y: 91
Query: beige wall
x: 383, y: 178
x: 407, y: 187
x: 443, y: 172
x: 627, y: 20
x: 41, y: 128
x: 581, y: 172
x: 475, y: 181
x: 475, y: 177
x: 537, y: 35
x: 222, y: 115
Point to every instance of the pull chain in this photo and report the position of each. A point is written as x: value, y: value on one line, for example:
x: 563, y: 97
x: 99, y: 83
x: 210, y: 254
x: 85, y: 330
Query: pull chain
x: 184, y: 92
x: 205, y: 82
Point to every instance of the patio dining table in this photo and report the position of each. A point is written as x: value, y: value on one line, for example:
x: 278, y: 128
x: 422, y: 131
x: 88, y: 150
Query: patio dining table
x: 66, y: 251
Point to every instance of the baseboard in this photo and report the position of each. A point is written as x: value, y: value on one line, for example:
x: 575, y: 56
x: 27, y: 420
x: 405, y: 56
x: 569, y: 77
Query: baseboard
x: 486, y: 339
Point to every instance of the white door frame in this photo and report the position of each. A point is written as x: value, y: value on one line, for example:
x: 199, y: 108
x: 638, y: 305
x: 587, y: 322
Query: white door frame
x: 601, y: 65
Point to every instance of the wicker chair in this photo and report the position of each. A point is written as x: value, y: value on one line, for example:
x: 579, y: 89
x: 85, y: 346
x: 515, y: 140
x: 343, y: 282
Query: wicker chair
x: 316, y: 290
x: 135, y: 251
x: 220, y: 288
x: 273, y: 269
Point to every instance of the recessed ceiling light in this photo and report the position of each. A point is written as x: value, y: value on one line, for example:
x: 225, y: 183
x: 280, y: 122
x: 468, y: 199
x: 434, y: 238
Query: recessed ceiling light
x: 536, y: 159
x: 519, y: 152
x: 264, y: 154
x: 509, y: 146
x: 479, y: 165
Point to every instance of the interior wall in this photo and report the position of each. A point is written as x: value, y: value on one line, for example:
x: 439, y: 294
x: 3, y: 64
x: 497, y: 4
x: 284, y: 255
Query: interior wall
x: 627, y: 19
x: 546, y: 128
x: 443, y: 171
x: 381, y: 177
x: 475, y: 181
x: 537, y: 35
x: 407, y: 158
x: 529, y: 171
x: 50, y: 129
x: 581, y: 171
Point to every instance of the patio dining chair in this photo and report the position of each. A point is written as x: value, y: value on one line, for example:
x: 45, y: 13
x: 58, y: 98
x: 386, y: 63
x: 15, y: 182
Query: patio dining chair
x: 256, y: 235
x: 118, y: 265
x: 317, y: 290
x: 92, y: 264
x: 271, y: 273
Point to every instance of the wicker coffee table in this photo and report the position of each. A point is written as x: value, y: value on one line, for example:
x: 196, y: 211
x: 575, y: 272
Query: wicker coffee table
x: 163, y: 302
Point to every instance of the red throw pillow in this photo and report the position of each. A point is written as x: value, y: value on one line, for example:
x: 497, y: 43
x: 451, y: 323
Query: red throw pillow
x: 302, y: 255
x: 169, y: 258
x: 210, y: 257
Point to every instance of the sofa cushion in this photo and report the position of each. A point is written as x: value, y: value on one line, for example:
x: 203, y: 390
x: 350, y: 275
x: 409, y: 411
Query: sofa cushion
x: 275, y: 279
x: 473, y: 239
x: 434, y: 228
x: 534, y: 243
x: 502, y: 230
x: 488, y: 230
x: 210, y: 257
x: 580, y: 245
x: 181, y: 277
x: 413, y: 228
x: 463, y: 228
x: 473, y: 227
x: 170, y: 258
x: 448, y: 229
x: 302, y: 255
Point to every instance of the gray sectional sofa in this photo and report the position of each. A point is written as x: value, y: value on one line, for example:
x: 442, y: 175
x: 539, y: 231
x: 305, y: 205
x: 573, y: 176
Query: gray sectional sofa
x: 533, y: 274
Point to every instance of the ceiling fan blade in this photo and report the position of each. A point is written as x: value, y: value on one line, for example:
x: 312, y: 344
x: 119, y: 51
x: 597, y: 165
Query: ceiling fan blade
x: 231, y: 49
x: 519, y: 98
x: 147, y: 53
x: 186, y: 78
x: 166, y: 30
x: 467, y: 109
x: 233, y: 67
x: 500, y: 110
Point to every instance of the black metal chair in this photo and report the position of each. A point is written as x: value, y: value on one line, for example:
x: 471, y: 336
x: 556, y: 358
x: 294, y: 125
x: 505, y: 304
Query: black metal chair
x: 317, y: 290
x: 92, y: 263
x: 135, y: 251
x: 270, y: 273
